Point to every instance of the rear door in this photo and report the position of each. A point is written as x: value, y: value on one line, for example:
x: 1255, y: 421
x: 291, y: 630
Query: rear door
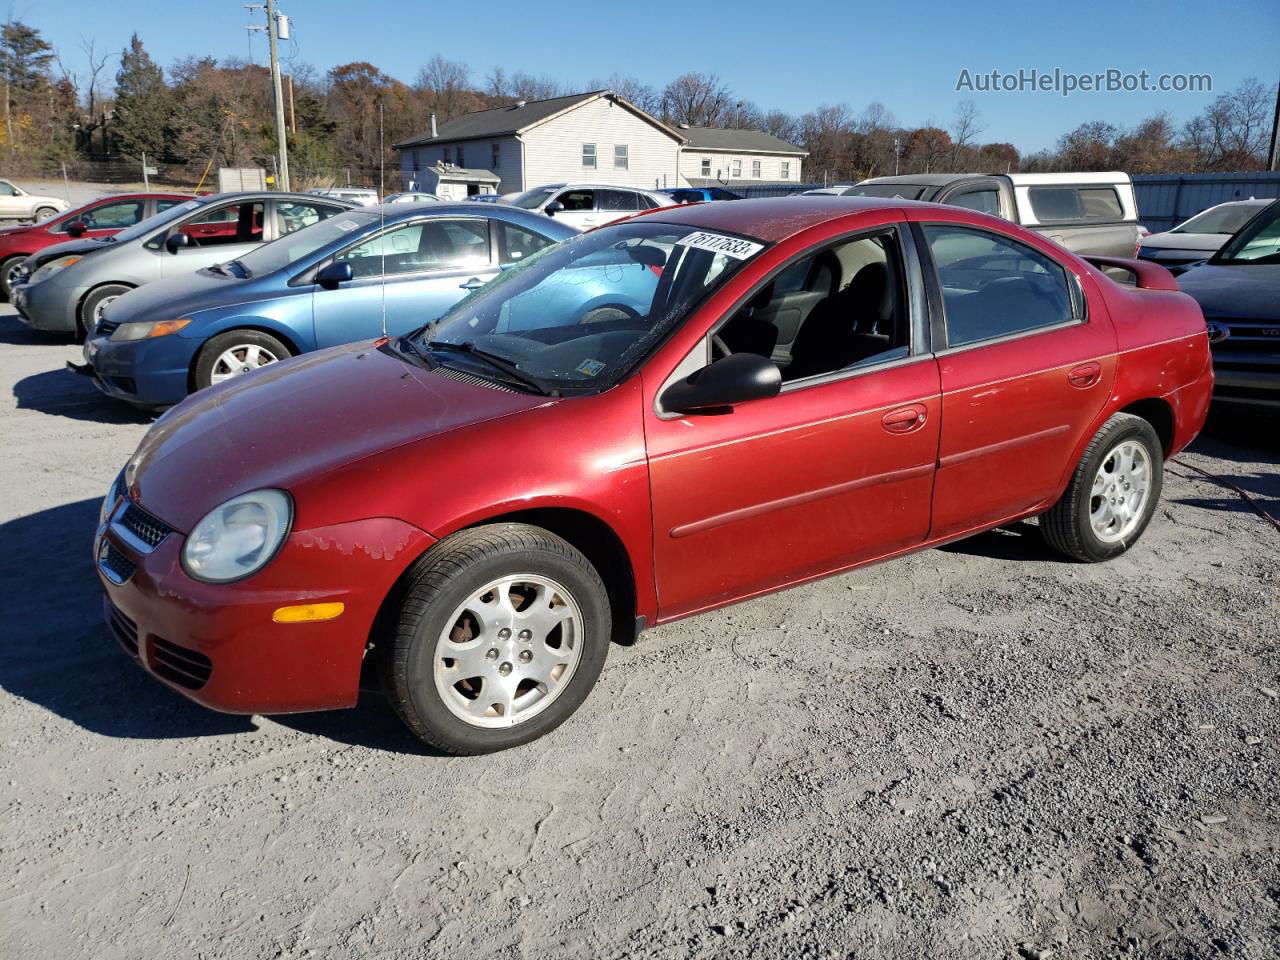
x: 616, y: 204
x: 412, y: 272
x: 1025, y: 369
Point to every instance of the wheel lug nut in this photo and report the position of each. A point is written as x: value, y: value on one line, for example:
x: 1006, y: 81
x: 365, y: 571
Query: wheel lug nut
x: 526, y: 656
x: 492, y: 654
x: 526, y: 635
x: 504, y: 633
x: 504, y: 669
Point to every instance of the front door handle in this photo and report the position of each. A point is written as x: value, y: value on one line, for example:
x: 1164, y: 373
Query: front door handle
x: 1085, y: 375
x: 905, y: 419
x: 475, y: 283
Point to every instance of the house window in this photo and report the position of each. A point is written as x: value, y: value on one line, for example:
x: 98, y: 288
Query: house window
x: 755, y: 169
x: 497, y: 155
x: 737, y: 169
x: 461, y: 162
x: 447, y: 154
x: 620, y: 158
x: 706, y: 166
x: 786, y: 170
x: 589, y: 155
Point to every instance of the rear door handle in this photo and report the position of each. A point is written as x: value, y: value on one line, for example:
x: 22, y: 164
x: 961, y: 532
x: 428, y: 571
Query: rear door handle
x: 1085, y: 375
x: 905, y: 419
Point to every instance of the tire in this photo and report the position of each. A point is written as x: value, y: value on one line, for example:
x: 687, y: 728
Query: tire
x: 254, y: 348
x: 97, y: 300
x: 436, y: 612
x: 43, y: 213
x: 7, y: 266
x: 1101, y: 515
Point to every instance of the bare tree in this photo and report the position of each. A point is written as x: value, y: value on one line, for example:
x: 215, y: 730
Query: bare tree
x: 964, y: 130
x: 635, y: 91
x: 525, y: 86
x: 445, y: 85
x: 496, y: 83
x: 782, y: 125
x: 697, y: 99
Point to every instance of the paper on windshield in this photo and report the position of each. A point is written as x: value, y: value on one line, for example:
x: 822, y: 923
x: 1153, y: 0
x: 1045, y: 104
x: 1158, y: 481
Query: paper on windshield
x: 734, y: 247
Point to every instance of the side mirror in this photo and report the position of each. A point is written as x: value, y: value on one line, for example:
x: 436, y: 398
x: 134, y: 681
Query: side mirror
x: 333, y: 273
x: 177, y: 241
x: 552, y: 208
x: 77, y: 228
x: 730, y: 380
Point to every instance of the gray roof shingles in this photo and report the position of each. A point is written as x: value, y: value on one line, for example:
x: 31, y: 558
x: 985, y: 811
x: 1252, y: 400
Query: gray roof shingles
x: 746, y: 141
x: 498, y: 122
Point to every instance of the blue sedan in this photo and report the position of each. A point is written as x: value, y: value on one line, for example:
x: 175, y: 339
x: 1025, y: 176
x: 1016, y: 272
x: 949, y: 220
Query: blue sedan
x: 358, y: 275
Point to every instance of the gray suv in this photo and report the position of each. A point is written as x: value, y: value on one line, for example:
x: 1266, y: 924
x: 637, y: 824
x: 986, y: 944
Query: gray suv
x: 64, y: 288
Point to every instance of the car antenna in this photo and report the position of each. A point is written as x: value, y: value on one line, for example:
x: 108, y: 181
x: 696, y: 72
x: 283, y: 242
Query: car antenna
x: 382, y: 210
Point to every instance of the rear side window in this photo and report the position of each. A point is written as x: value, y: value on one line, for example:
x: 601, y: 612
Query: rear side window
x: 1075, y: 204
x: 517, y: 243
x: 993, y: 286
x: 616, y: 200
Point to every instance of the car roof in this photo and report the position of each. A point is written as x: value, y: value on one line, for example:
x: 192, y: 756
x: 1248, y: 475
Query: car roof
x: 583, y: 184
x: 775, y: 218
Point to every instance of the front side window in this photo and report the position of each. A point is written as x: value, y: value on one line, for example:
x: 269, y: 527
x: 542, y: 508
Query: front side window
x: 621, y: 156
x: 580, y: 314
x: 1259, y: 242
x: 578, y: 200
x: 706, y: 166
x: 421, y: 246
x: 993, y: 286
x: 234, y: 223
x: 589, y: 155
x: 755, y: 169
x: 984, y: 201
x: 7, y: 189
x: 113, y: 216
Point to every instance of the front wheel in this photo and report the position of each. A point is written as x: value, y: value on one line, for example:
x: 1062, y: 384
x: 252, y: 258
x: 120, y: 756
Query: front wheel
x: 7, y: 267
x: 1112, y: 494
x: 501, y: 634
x: 235, y: 353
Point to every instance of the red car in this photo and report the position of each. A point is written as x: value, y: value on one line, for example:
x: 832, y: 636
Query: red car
x: 647, y: 421
x: 97, y: 218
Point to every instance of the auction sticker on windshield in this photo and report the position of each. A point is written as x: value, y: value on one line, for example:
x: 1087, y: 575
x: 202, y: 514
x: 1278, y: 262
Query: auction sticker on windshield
x: 734, y: 247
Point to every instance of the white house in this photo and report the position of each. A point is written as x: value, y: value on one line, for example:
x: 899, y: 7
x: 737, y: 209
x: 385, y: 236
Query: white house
x: 598, y: 137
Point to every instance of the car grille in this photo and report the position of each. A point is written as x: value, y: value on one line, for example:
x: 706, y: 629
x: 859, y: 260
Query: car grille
x: 143, y: 526
x: 1247, y: 333
x: 186, y: 668
x: 115, y: 565
x: 124, y: 630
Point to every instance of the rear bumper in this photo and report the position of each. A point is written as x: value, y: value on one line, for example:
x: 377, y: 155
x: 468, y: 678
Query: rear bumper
x: 218, y: 644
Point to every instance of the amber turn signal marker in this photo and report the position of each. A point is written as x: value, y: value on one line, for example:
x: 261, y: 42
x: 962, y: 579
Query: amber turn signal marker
x: 308, y: 612
x: 166, y: 327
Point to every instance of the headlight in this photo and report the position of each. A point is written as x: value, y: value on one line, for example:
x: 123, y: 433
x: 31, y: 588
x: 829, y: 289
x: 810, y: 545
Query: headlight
x: 52, y: 267
x: 239, y: 537
x: 144, y: 331
x: 109, y: 501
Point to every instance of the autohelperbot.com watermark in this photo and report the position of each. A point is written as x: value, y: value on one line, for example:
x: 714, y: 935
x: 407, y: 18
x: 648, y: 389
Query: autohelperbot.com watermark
x: 1065, y: 82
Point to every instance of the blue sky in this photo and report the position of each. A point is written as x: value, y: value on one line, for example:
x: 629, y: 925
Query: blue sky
x: 908, y: 57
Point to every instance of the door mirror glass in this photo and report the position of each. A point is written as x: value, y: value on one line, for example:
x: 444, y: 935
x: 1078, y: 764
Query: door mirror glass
x: 730, y: 380
x: 177, y: 241
x: 76, y: 228
x: 552, y: 208
x: 335, y: 273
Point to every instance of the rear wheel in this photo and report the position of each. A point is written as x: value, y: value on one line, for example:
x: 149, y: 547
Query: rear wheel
x: 91, y: 308
x: 7, y: 266
x: 501, y: 635
x: 1112, y: 494
x: 235, y: 353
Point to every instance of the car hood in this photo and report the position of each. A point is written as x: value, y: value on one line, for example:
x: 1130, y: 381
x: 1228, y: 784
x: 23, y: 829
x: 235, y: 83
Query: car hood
x: 1208, y: 242
x: 1235, y: 290
x: 184, y: 295
x: 68, y: 247
x: 296, y: 420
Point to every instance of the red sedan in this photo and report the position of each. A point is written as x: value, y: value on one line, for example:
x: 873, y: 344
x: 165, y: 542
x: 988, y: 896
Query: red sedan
x: 97, y: 218
x: 657, y: 418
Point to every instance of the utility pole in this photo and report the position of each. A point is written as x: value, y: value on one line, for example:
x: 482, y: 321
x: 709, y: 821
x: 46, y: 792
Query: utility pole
x: 282, y: 145
x: 1273, y: 158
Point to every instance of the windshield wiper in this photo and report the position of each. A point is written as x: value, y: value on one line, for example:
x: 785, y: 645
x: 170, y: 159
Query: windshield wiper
x: 405, y: 345
x: 498, y: 363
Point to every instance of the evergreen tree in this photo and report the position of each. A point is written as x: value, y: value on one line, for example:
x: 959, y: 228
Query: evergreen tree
x: 144, y: 105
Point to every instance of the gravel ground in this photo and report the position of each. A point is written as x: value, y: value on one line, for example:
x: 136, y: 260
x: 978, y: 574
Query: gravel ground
x: 978, y: 751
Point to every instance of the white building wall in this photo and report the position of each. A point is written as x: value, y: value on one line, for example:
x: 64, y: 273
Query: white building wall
x: 554, y: 149
x: 722, y: 166
x: 478, y: 155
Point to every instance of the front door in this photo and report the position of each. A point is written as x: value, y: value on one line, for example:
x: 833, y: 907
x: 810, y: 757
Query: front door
x: 836, y: 469
x: 224, y: 233
x: 1024, y: 374
x: 411, y: 273
x: 580, y: 208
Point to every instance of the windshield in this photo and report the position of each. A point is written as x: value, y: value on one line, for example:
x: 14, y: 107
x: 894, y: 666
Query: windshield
x: 292, y: 247
x: 581, y: 313
x: 1259, y: 242
x: 532, y: 199
x: 901, y: 191
x: 1227, y: 219
x: 143, y: 227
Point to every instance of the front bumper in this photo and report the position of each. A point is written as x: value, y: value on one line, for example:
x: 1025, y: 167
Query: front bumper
x: 47, y: 305
x: 147, y: 373
x: 218, y: 644
x: 1251, y: 384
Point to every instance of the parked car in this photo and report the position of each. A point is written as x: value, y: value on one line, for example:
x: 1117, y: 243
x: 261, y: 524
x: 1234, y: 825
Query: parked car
x: 485, y: 198
x: 370, y: 272
x: 586, y: 205
x: 1238, y: 289
x: 412, y: 196
x: 17, y: 204
x: 358, y: 196
x: 700, y: 194
x: 94, y: 220
x: 1200, y: 237
x: 64, y: 288
x: 1088, y: 213
x: 479, y: 511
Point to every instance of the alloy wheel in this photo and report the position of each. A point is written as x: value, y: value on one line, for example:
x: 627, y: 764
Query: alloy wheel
x: 1118, y: 498
x: 240, y: 359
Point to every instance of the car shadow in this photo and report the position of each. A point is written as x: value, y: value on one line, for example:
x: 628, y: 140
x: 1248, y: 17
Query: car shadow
x: 1015, y: 541
x: 60, y: 393
x: 1240, y: 434
x: 57, y: 653
x: 13, y: 331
